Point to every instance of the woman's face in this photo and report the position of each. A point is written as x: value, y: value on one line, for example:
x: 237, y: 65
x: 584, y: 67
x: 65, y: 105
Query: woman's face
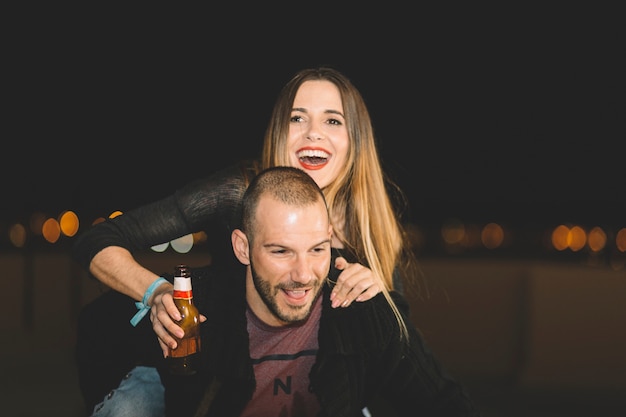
x: 318, y: 139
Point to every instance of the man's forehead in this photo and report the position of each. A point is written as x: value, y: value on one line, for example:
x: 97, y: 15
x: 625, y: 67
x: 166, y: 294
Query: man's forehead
x: 269, y: 205
x: 276, y: 219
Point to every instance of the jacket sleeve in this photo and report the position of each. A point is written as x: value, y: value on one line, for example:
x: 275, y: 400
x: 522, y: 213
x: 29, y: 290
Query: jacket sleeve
x: 210, y: 204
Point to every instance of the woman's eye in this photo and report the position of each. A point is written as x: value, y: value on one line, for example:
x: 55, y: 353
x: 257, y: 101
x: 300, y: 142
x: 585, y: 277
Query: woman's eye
x: 335, y: 122
x: 295, y: 119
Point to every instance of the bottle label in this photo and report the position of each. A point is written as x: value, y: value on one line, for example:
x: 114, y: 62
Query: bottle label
x: 186, y: 294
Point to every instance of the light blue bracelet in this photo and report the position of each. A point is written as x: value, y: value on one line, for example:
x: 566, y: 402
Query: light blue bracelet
x: 143, y: 306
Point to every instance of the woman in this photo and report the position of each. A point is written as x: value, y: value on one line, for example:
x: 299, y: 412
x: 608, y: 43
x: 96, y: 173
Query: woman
x: 320, y: 123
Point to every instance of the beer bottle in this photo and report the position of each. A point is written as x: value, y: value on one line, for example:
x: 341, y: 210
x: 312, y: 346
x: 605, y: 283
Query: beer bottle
x: 185, y: 359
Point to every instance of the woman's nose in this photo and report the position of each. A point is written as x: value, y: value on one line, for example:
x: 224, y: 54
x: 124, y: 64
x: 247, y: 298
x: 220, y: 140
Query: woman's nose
x: 314, y: 134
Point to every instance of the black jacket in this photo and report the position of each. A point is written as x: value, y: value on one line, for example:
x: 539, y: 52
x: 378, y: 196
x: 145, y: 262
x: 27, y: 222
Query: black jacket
x: 360, y: 358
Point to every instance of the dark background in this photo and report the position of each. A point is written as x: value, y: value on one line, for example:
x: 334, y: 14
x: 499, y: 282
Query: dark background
x: 517, y: 117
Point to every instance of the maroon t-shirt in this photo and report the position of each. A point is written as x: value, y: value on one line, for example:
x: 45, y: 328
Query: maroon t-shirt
x: 282, y: 358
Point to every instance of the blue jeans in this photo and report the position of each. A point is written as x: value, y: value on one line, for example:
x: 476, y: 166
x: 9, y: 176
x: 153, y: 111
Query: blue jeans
x: 140, y: 394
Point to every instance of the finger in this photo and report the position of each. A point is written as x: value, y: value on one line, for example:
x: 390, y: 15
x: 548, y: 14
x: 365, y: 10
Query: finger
x: 361, y: 289
x: 164, y: 348
x: 164, y: 327
x: 355, y: 282
x: 166, y: 341
x: 169, y: 325
x: 369, y: 293
x: 167, y: 314
x: 341, y: 263
x: 352, y: 281
x: 167, y: 301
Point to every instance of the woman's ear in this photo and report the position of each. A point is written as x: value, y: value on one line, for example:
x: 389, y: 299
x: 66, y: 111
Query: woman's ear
x: 240, y: 246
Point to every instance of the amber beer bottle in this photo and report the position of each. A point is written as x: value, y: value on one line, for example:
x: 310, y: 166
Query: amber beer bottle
x: 184, y: 360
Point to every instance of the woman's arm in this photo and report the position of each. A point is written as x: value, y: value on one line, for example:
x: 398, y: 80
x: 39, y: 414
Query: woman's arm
x: 106, y: 249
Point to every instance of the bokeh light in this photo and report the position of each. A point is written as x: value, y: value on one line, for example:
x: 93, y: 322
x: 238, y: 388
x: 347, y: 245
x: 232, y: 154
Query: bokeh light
x: 182, y: 244
x: 597, y: 239
x: 51, y: 230
x: 68, y: 223
x: 620, y: 240
x: 17, y: 235
x: 492, y: 236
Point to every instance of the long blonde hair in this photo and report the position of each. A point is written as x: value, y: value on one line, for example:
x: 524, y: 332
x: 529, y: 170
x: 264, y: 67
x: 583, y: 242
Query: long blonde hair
x: 360, y: 194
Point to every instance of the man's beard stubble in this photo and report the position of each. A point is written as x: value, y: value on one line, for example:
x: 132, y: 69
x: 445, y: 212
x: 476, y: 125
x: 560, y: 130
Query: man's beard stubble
x: 268, y: 294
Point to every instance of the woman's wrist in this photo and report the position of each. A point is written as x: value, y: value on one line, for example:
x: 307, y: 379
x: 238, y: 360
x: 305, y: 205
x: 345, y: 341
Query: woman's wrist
x: 143, y: 305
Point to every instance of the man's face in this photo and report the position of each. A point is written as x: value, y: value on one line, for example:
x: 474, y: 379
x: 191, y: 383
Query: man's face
x: 289, y: 260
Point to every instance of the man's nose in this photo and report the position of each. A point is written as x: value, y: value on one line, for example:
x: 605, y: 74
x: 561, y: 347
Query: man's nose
x: 302, y: 271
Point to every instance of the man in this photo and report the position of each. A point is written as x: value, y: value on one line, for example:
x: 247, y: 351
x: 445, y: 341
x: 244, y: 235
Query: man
x: 272, y: 344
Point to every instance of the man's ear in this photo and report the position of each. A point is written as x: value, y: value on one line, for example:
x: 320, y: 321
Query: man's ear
x: 240, y: 246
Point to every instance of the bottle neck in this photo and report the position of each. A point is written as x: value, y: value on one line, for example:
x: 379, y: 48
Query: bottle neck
x: 182, y: 287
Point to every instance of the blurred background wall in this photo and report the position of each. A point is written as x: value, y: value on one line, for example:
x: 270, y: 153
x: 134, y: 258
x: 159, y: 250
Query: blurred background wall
x: 524, y: 336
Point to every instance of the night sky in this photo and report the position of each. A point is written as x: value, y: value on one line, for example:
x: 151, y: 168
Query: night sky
x: 508, y: 120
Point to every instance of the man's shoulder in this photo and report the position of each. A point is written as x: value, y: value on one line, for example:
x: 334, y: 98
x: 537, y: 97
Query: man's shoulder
x: 361, y: 326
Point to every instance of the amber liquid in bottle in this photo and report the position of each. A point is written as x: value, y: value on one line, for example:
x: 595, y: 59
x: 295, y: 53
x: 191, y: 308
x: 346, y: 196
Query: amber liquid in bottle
x: 185, y: 359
